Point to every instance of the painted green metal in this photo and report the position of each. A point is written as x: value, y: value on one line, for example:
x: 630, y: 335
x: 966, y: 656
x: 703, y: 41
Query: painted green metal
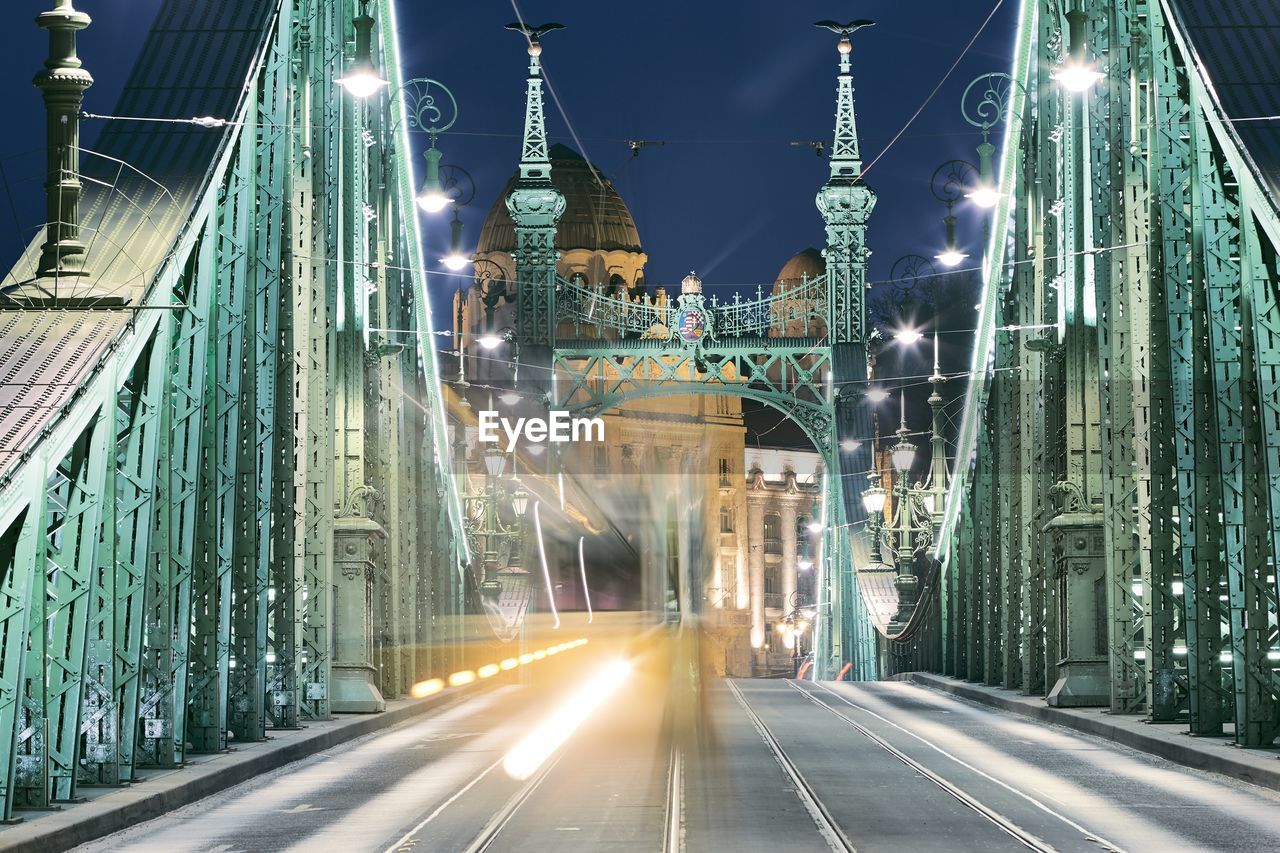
x: 166, y: 548
x: 1143, y: 232
x: 693, y: 344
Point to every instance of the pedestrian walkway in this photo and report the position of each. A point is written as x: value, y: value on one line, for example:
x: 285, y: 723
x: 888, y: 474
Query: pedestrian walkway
x: 1171, y: 741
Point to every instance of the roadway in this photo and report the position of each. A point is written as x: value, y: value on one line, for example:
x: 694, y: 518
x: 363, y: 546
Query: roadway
x: 741, y: 766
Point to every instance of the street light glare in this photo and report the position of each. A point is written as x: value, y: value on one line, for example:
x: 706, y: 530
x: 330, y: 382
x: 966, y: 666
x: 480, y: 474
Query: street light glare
x: 433, y: 201
x: 1077, y: 77
x: 455, y: 261
x: 908, y: 336
x: 877, y: 395
x: 951, y: 257
x: 489, y: 341
x: 362, y: 83
x: 814, y: 526
x: 804, y: 565
x: 985, y: 196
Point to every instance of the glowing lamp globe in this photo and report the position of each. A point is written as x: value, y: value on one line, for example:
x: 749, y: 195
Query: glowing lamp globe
x: 1077, y: 78
x: 362, y: 83
x: 432, y: 200
x: 908, y: 336
x: 985, y: 196
x: 903, y: 453
x: 873, y: 500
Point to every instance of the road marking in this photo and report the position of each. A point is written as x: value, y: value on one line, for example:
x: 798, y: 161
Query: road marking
x: 1088, y: 834
x: 407, y: 839
x: 826, y: 824
x: 496, y: 824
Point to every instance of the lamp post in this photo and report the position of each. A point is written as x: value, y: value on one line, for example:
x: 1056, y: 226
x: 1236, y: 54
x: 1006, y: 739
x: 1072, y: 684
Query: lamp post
x: 794, y: 626
x: 949, y: 185
x: 916, y: 510
x: 362, y: 79
x: 985, y: 104
x: 485, y: 518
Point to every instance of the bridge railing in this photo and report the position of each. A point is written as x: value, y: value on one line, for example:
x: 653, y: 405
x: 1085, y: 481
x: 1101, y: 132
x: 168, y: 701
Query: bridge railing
x: 590, y: 307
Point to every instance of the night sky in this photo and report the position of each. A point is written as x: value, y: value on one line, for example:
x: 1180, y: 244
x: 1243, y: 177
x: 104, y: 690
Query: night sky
x: 725, y: 86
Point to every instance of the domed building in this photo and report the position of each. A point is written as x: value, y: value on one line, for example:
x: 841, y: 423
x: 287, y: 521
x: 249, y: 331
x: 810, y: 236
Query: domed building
x: 597, y: 237
x: 800, y: 317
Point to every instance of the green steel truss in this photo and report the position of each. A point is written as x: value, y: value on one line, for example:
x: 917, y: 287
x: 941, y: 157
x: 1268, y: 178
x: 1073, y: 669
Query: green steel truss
x: 1137, y: 229
x: 166, y: 549
x: 588, y: 351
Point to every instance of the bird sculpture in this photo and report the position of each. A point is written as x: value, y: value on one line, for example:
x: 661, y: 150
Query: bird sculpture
x: 845, y: 29
x: 533, y: 33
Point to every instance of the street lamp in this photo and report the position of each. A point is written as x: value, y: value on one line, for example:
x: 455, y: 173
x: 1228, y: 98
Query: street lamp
x: 916, y: 511
x: 1078, y: 75
x: 362, y: 79
x: 432, y: 197
x: 519, y: 499
x: 495, y: 461
x: 984, y: 104
x: 948, y: 185
x: 455, y: 260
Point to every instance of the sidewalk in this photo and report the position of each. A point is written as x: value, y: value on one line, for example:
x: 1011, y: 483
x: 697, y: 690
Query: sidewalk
x: 1167, y: 740
x: 162, y: 790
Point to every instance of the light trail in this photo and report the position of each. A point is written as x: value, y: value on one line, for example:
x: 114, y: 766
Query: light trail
x: 463, y: 677
x: 586, y: 593
x: 542, y: 555
x: 530, y: 754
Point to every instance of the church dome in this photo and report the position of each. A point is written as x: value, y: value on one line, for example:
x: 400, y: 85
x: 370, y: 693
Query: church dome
x: 799, y: 316
x: 595, y: 217
x: 807, y: 262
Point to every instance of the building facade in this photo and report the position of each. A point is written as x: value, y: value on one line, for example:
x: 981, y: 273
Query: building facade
x: 709, y: 522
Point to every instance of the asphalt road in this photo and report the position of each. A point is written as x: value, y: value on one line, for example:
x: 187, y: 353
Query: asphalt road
x: 740, y: 766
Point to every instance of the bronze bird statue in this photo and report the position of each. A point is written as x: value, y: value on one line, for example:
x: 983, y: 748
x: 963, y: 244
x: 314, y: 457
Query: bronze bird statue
x: 845, y: 29
x: 533, y: 33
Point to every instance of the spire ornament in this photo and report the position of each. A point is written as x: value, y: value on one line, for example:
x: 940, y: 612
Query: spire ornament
x: 846, y: 204
x: 536, y: 207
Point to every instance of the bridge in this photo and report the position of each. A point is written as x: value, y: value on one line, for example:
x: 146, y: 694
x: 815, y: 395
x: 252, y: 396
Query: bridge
x: 256, y: 567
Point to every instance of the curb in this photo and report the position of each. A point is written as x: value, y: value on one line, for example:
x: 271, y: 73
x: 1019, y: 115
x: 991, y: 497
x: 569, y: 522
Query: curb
x: 1186, y: 754
x: 85, y: 822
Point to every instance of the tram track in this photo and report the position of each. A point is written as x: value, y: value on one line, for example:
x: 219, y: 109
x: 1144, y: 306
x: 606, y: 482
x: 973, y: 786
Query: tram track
x: 673, y: 820
x: 822, y: 817
x: 1028, y: 839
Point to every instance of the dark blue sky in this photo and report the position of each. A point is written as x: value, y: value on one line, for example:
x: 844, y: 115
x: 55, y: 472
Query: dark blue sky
x: 726, y: 86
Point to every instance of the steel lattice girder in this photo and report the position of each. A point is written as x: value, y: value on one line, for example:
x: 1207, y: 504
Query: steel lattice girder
x: 167, y: 476
x: 1186, y: 378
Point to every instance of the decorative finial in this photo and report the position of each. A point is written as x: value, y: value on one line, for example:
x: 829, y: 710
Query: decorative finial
x: 844, y: 31
x: 533, y: 34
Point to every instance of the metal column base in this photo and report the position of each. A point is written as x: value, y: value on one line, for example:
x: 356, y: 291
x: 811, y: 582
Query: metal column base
x: 1081, y: 683
x: 353, y: 691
